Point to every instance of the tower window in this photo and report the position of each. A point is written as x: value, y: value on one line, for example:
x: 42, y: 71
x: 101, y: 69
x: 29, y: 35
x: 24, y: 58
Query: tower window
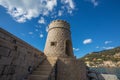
x: 53, y: 43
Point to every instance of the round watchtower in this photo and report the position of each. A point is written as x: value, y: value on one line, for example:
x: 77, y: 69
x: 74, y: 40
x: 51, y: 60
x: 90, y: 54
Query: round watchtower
x: 59, y: 42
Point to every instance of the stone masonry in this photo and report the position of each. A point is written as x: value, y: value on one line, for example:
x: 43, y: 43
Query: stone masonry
x: 16, y: 57
x: 20, y: 61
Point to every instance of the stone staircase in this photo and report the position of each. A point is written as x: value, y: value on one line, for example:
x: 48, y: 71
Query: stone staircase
x: 43, y: 71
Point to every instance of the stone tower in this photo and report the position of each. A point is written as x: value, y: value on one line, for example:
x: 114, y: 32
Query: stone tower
x: 59, y: 42
x: 59, y: 45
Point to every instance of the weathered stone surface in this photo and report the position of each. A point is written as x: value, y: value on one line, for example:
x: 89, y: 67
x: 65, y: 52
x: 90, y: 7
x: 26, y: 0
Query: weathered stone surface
x: 4, y: 51
x: 9, y: 70
x: 16, y: 56
x: 108, y: 77
x: 2, y: 35
x: 1, y: 69
x: 5, y: 60
x: 6, y: 44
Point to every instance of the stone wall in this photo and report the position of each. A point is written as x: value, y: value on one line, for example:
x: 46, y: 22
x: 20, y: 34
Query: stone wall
x: 17, y: 58
x: 71, y: 69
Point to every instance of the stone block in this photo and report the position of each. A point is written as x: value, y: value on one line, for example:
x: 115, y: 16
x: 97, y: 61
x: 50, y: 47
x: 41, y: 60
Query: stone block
x: 13, y: 54
x: 5, y: 61
x: 9, y: 77
x: 4, y: 51
x: 108, y: 77
x: 8, y: 38
x: 9, y: 70
x: 1, y: 69
x: 2, y: 35
x: 5, y: 43
x: 18, y: 62
x: 4, y: 77
x: 5, y: 36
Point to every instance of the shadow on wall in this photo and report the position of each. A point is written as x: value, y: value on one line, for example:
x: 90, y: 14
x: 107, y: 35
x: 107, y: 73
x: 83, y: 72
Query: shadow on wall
x: 69, y: 50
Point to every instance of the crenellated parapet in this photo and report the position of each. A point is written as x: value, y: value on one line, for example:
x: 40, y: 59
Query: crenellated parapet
x: 59, y: 24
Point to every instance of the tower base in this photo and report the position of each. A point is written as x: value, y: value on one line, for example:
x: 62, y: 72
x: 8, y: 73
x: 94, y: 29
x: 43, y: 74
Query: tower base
x: 70, y: 69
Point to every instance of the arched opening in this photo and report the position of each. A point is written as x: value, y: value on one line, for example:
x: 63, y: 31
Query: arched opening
x: 68, y: 48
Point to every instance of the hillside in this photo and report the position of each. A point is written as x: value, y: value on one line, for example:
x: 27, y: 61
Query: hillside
x: 106, y: 58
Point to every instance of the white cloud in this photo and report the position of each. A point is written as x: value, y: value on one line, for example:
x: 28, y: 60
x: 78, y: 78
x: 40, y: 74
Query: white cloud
x: 30, y: 33
x: 41, y: 35
x: 94, y: 2
x: 69, y: 2
x: 76, y: 49
x: 47, y: 29
x: 50, y: 4
x: 42, y: 20
x: 108, y: 42
x: 38, y: 26
x: 22, y: 10
x: 108, y: 48
x: 87, y: 41
x: 60, y: 13
x: 69, y: 5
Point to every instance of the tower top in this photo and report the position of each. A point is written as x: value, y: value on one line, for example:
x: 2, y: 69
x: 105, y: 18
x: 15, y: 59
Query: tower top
x: 59, y: 42
x: 59, y: 24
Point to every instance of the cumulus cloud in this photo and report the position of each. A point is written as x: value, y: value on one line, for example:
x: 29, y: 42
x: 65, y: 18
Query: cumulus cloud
x: 22, y: 10
x: 87, y: 41
x: 76, y: 49
x: 50, y: 4
x: 108, y: 42
x: 69, y: 5
x: 69, y: 2
x: 41, y: 35
x: 108, y: 48
x: 41, y: 21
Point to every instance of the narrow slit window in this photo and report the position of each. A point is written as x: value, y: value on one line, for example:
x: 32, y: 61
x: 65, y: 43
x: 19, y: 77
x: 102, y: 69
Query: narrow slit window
x: 53, y: 43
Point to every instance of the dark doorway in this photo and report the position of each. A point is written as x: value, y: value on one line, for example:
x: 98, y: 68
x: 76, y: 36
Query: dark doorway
x: 69, y: 50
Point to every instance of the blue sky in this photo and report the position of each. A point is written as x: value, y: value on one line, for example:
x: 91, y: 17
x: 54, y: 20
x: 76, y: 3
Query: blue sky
x: 95, y: 24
